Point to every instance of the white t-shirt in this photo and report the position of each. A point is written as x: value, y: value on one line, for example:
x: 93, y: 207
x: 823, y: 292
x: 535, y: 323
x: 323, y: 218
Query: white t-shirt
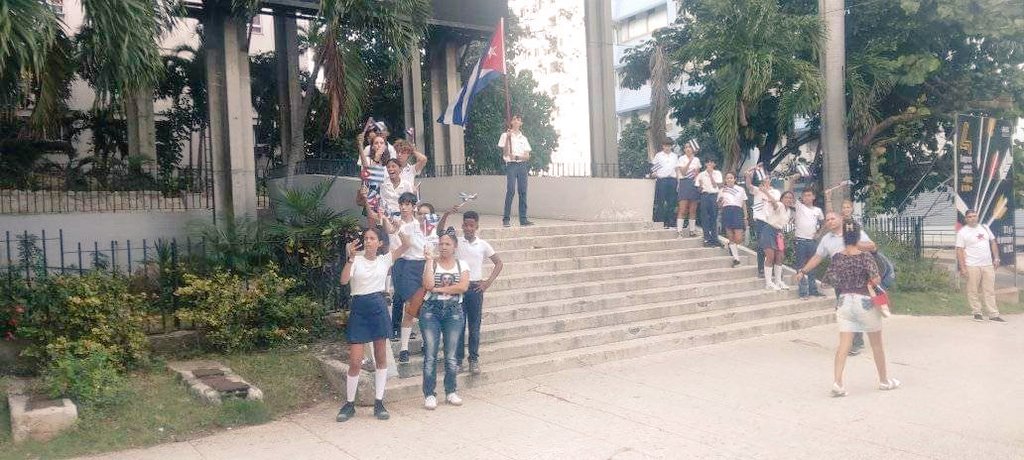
x: 757, y: 209
x: 447, y: 277
x: 416, y: 240
x: 975, y: 241
x: 474, y: 253
x: 389, y: 193
x: 776, y: 216
x: 664, y: 164
x: 694, y: 168
x: 709, y: 181
x: 408, y: 174
x: 807, y: 220
x: 520, y: 145
x: 369, y: 276
x: 832, y: 244
x: 733, y: 196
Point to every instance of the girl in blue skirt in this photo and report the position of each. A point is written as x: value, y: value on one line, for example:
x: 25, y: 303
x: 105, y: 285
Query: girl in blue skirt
x: 733, y: 200
x: 368, y: 319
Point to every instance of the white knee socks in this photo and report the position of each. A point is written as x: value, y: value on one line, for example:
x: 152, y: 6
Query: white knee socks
x: 380, y: 381
x: 734, y: 251
x: 679, y: 225
x: 351, y: 384
x: 406, y: 333
x: 777, y: 273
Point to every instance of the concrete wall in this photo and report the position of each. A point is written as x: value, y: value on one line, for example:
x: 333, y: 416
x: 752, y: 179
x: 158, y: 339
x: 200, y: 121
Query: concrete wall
x: 566, y: 198
x: 102, y: 227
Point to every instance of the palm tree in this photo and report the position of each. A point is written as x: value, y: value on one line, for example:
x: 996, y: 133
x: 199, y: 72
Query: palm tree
x: 751, y: 56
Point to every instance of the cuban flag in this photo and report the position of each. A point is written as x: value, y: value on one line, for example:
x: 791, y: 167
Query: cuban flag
x: 374, y: 175
x: 490, y: 66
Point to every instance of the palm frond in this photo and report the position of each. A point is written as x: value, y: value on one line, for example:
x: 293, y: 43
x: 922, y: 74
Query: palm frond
x: 54, y: 84
x: 121, y: 48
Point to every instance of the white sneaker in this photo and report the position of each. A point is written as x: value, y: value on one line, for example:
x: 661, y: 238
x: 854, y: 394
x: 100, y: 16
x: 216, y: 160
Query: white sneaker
x: 454, y: 399
x: 430, y: 403
x: 770, y: 286
x: 783, y: 286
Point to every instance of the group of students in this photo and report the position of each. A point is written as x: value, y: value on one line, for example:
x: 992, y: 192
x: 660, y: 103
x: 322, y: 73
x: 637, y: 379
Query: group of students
x: 437, y: 278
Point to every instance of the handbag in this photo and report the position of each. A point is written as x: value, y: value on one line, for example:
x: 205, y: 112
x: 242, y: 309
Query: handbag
x: 880, y: 299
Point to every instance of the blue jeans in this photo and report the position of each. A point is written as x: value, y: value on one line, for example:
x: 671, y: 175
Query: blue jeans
x: 472, y: 304
x: 804, y: 251
x: 515, y: 182
x: 440, y: 320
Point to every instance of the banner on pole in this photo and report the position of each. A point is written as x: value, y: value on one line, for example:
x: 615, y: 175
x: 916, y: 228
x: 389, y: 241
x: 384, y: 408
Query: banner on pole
x: 984, y: 177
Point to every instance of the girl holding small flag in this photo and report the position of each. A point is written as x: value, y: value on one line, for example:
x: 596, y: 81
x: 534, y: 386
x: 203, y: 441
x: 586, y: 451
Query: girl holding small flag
x: 733, y: 200
x: 687, y: 194
x: 770, y: 240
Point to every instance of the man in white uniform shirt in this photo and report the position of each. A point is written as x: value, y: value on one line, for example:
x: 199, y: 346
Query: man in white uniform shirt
x: 808, y: 219
x: 516, y: 154
x: 709, y: 182
x: 978, y: 258
x: 663, y: 169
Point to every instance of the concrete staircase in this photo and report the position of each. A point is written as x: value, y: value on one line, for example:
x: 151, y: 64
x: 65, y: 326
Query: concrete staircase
x: 583, y: 294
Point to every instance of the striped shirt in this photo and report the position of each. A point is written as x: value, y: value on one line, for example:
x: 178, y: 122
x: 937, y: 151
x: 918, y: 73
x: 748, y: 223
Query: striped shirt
x: 694, y: 167
x: 733, y: 196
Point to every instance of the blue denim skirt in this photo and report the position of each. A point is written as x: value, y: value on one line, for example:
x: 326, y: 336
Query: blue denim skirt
x: 732, y: 218
x: 368, y: 319
x: 687, y: 190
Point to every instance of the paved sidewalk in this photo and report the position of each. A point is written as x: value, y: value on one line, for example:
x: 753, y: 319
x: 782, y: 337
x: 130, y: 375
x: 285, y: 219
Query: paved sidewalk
x: 759, y: 398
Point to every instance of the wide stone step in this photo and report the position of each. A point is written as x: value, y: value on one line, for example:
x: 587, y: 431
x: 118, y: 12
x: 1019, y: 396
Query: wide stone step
x: 667, y: 256
x: 714, y: 269
x: 560, y: 229
x: 556, y: 241
x: 715, y: 313
x: 496, y: 371
x: 632, y: 272
x: 594, y: 311
x: 520, y: 255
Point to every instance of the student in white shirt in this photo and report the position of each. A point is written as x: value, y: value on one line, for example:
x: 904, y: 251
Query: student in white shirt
x: 709, y: 182
x: 808, y: 219
x: 663, y: 169
x: 733, y: 200
x: 368, y: 317
x: 977, y: 256
x: 409, y: 171
x: 687, y: 193
x: 757, y: 210
x: 516, y: 155
x: 777, y: 216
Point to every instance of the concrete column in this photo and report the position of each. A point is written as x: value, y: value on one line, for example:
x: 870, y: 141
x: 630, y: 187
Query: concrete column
x: 141, y: 124
x: 456, y: 134
x: 601, y: 87
x: 836, y: 160
x: 438, y: 102
x: 286, y: 46
x: 231, y: 130
x: 412, y: 84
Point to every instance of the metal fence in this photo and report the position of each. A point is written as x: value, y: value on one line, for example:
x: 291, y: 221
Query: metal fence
x: 351, y: 168
x: 907, y: 231
x: 121, y: 188
x: 30, y: 258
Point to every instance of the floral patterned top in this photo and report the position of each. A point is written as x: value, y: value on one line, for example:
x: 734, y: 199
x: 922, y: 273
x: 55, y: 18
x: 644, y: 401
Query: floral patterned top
x: 850, y: 274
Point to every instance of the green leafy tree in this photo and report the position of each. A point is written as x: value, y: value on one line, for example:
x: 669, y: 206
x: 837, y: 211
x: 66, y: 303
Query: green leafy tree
x: 633, y: 161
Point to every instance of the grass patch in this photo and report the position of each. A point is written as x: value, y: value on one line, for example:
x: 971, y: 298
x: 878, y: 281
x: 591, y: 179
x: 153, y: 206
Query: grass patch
x: 158, y: 409
x: 940, y: 303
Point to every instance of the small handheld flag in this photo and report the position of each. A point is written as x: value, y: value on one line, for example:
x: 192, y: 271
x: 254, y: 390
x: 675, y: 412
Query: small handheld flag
x: 410, y: 135
x: 803, y: 170
x: 373, y: 175
x: 490, y: 66
x: 430, y: 223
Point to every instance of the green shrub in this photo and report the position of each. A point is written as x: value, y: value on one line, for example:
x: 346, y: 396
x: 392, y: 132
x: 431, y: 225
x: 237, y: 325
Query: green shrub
x: 95, y: 308
x: 913, y: 274
x: 235, y: 314
x: 86, y: 372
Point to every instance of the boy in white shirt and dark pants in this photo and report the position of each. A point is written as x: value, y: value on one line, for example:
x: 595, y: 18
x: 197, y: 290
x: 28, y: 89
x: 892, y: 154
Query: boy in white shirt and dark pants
x: 709, y: 181
x: 663, y: 169
x: 978, y: 258
x: 808, y: 219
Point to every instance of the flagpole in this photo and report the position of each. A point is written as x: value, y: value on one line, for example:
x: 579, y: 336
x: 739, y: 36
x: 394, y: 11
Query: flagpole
x: 504, y: 75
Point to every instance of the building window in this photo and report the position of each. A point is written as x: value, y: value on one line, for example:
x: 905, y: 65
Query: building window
x: 256, y: 26
x: 641, y: 25
x: 57, y: 6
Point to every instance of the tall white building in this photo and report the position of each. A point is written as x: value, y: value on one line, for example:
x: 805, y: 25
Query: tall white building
x: 635, y: 21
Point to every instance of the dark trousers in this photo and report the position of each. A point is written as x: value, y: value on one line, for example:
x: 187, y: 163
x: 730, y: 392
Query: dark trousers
x: 805, y: 249
x: 758, y: 224
x: 472, y: 305
x: 709, y: 217
x: 515, y: 180
x: 665, y: 200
